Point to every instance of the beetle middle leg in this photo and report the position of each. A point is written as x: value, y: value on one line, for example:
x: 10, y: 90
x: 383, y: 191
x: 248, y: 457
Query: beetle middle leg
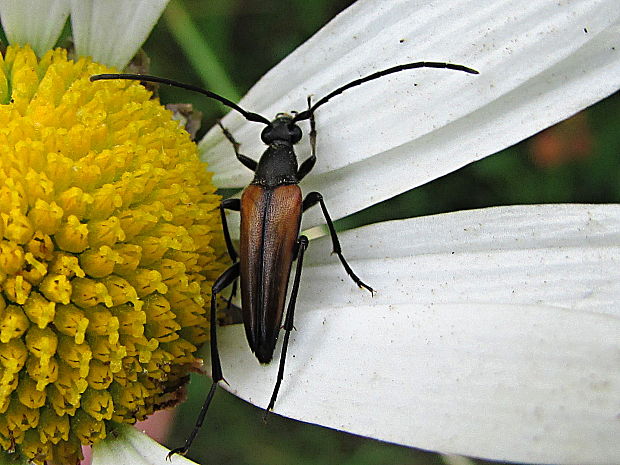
x: 234, y: 205
x: 302, y: 245
x: 225, y: 279
x: 312, y: 199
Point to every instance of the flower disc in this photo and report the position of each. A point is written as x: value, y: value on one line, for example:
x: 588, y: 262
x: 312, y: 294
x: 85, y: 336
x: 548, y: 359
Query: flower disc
x: 109, y: 242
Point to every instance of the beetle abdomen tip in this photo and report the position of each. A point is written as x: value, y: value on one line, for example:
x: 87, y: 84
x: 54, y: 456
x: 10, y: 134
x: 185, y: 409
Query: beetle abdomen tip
x: 264, y: 354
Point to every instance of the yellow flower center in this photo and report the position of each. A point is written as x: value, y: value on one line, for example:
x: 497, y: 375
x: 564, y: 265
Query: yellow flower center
x: 109, y: 242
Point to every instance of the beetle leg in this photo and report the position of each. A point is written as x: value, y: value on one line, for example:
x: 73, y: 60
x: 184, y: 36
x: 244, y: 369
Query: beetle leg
x: 312, y: 128
x: 306, y: 167
x: 246, y: 161
x: 225, y: 279
x: 234, y: 205
x: 308, y: 164
x: 312, y: 199
x: 302, y: 245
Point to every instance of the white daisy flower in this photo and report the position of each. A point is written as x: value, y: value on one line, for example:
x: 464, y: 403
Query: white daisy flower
x: 493, y: 332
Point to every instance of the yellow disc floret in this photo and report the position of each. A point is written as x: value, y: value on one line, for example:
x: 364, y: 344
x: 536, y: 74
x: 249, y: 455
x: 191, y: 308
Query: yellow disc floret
x: 108, y: 247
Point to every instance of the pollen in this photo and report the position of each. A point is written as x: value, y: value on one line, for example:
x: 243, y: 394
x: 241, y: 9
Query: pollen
x: 107, y: 255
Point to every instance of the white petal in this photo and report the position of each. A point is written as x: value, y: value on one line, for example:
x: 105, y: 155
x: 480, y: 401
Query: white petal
x: 34, y: 22
x: 126, y: 445
x: 561, y: 255
x: 494, y: 334
x: 537, y: 64
x: 112, y: 31
x: 519, y: 383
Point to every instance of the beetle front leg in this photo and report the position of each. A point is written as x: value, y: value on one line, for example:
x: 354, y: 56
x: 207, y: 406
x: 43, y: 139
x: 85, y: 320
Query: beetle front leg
x: 308, y: 163
x: 225, y: 279
x: 312, y: 199
x: 246, y: 161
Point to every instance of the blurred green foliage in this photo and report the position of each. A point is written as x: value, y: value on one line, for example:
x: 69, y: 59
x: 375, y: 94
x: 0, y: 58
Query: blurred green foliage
x: 235, y: 434
x: 243, y: 39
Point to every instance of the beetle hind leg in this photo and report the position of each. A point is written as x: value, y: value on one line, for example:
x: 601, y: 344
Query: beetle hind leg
x: 302, y: 245
x: 225, y: 279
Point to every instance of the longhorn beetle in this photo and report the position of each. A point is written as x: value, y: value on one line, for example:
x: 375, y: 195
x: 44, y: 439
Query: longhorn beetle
x: 271, y: 208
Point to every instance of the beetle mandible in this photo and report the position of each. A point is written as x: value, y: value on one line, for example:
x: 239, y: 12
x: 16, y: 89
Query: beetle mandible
x: 271, y: 208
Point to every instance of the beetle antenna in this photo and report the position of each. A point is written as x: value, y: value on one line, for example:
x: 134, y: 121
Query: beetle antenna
x: 255, y: 117
x: 395, y: 69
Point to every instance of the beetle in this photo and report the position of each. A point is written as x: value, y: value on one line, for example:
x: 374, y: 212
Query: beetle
x: 271, y: 208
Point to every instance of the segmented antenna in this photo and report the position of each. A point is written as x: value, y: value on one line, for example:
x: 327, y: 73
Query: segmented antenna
x: 395, y: 69
x: 147, y: 78
x: 306, y: 114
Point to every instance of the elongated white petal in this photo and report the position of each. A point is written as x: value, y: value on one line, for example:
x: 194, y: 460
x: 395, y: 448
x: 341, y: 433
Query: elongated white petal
x: 112, y: 31
x: 539, y: 63
x: 561, y: 255
x: 128, y: 446
x: 34, y: 22
x: 494, y: 333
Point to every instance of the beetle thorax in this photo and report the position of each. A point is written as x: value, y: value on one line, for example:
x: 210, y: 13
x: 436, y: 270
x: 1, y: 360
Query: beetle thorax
x: 277, y: 166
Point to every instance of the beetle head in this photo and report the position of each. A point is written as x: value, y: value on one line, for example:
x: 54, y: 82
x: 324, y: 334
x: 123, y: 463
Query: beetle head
x: 283, y: 129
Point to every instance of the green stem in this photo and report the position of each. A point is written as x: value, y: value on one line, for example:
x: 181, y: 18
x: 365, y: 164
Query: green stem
x: 198, y: 52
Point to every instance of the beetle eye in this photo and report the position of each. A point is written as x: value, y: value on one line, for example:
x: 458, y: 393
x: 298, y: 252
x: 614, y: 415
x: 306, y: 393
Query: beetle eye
x: 267, y: 135
x: 295, y: 133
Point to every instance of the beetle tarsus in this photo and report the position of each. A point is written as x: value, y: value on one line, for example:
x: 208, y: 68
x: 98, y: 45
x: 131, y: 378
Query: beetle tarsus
x: 228, y: 135
x: 361, y: 284
x: 246, y: 161
x: 178, y: 450
x: 201, y: 416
